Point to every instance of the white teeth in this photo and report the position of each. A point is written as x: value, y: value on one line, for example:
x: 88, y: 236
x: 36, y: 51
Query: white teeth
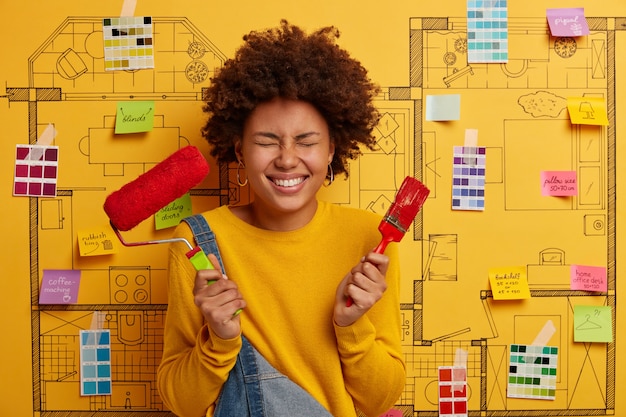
x: 288, y: 183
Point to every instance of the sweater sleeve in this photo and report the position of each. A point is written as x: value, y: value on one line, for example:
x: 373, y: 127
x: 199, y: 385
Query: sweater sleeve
x: 195, y: 362
x: 370, y: 351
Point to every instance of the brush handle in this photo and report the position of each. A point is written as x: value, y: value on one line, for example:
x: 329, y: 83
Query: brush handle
x: 383, y: 244
x: 379, y: 249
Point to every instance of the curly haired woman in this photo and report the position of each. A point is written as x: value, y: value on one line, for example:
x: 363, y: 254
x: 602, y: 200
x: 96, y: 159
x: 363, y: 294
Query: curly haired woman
x: 291, y: 109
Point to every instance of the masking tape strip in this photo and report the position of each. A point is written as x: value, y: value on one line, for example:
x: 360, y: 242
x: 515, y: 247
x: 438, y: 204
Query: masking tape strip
x: 128, y: 8
x: 97, y: 319
x: 544, y: 336
x: 460, y: 360
x: 45, y: 139
x: 460, y: 357
x: 47, y: 136
x: 471, y: 138
x: 470, y: 147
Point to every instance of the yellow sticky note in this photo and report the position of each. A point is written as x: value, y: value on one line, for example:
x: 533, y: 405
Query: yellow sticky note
x: 173, y: 213
x: 134, y: 116
x: 97, y: 241
x: 587, y: 111
x: 593, y: 324
x: 509, y: 283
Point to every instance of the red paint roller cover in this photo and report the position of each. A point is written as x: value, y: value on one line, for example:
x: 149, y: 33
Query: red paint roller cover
x: 156, y: 188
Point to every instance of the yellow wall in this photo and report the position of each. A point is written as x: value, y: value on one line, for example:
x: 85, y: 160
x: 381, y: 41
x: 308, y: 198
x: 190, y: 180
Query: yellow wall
x: 445, y: 259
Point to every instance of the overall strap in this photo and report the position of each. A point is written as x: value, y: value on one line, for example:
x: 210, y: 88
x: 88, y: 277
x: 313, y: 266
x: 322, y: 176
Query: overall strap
x: 242, y: 380
x: 205, y: 238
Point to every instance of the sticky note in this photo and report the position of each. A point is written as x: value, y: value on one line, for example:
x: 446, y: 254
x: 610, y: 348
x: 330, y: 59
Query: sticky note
x: 59, y: 286
x: 559, y: 183
x: 173, y: 213
x: 443, y: 107
x: 588, y: 278
x: 392, y: 413
x: 587, y: 111
x: 509, y: 283
x: 567, y: 22
x: 134, y: 117
x: 97, y: 241
x: 592, y: 324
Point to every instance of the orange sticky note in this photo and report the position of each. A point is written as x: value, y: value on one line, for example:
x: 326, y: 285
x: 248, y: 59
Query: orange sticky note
x: 509, y: 283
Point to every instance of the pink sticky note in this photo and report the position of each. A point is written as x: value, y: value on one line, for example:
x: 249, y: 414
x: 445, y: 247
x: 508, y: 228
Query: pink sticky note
x: 59, y: 286
x: 567, y: 22
x: 558, y: 183
x: 588, y: 278
x: 392, y: 413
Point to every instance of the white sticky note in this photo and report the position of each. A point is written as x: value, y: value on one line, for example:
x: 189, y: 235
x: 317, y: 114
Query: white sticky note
x: 443, y: 107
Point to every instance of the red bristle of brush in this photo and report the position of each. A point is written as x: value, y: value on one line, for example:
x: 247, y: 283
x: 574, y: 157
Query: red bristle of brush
x: 156, y: 188
x: 409, y: 200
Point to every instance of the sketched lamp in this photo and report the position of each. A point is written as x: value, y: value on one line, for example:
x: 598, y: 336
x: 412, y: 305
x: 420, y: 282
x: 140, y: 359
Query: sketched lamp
x: 587, y: 108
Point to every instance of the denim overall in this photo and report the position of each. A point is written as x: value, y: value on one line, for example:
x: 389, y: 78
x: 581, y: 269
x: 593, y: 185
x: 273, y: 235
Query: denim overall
x: 254, y: 388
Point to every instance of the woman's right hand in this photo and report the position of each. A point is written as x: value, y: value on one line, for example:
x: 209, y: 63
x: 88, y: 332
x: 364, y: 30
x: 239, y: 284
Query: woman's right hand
x: 218, y: 298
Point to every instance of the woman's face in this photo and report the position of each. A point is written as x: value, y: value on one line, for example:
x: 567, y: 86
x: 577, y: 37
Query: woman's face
x: 286, y: 150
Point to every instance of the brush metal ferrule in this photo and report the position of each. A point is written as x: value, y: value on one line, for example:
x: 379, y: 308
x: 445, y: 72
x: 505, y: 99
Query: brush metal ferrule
x: 395, y: 222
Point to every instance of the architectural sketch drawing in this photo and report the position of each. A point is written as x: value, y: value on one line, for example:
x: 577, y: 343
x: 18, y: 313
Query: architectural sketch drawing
x: 520, y: 111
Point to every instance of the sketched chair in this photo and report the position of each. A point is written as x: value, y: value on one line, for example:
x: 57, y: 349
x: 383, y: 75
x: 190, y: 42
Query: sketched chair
x: 70, y: 65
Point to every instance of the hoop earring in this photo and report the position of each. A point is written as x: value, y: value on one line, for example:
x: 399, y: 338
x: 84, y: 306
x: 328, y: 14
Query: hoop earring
x: 239, y: 167
x: 330, y: 177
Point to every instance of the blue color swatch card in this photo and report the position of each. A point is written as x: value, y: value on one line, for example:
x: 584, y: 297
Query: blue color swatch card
x: 487, y: 31
x: 95, y: 362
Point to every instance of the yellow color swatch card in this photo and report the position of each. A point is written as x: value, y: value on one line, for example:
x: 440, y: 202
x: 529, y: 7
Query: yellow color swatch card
x: 509, y: 283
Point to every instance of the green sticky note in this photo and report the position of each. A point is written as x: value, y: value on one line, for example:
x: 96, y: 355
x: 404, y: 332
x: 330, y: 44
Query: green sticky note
x: 134, y: 116
x: 173, y: 213
x: 593, y: 324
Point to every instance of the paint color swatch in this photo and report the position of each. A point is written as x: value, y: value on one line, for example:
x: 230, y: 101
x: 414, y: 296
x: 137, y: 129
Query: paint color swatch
x: 128, y: 43
x: 487, y: 31
x: 452, y: 391
x: 36, y: 170
x: 468, y: 178
x: 532, y: 372
x: 95, y: 362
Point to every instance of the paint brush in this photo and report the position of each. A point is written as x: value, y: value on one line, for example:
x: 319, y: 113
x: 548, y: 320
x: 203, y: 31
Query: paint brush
x: 408, y: 201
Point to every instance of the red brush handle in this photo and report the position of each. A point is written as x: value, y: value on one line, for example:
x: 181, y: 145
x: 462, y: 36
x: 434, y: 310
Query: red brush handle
x: 390, y: 234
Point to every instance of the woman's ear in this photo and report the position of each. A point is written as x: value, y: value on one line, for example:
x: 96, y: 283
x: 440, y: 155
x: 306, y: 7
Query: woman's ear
x: 331, y: 152
x: 238, y: 151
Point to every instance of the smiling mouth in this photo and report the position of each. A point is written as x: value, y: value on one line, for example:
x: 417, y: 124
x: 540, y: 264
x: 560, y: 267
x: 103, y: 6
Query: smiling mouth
x: 288, y: 183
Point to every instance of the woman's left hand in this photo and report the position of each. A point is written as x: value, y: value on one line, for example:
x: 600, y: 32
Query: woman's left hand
x: 365, y: 284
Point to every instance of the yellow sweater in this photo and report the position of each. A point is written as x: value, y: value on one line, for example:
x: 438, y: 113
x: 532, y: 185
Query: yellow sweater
x: 288, y: 280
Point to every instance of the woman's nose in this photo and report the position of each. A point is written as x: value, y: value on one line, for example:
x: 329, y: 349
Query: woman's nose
x: 287, y: 157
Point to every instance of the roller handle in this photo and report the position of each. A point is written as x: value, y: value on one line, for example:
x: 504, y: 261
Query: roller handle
x: 200, y: 261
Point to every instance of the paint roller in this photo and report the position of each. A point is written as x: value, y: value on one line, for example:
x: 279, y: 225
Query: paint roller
x: 155, y: 189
